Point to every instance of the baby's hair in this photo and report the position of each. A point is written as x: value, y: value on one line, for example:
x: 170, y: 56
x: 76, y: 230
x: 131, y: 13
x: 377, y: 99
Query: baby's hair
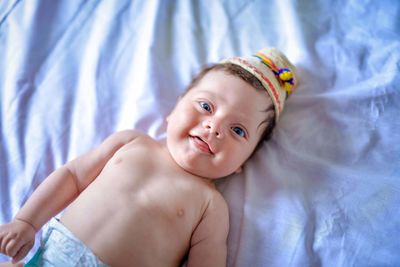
x: 246, y: 76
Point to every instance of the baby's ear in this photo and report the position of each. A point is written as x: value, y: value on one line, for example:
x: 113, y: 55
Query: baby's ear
x: 239, y: 170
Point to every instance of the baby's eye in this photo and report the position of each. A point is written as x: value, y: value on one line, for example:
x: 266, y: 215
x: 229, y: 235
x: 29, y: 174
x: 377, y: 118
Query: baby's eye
x: 205, y: 106
x: 239, y: 131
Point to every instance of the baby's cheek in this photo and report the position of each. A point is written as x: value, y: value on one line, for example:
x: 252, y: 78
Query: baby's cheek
x: 241, y: 156
x: 189, y: 117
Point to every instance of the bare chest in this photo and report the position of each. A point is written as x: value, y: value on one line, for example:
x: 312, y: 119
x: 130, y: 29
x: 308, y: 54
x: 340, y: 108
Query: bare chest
x: 153, y: 220
x: 149, y: 178
x: 144, y: 195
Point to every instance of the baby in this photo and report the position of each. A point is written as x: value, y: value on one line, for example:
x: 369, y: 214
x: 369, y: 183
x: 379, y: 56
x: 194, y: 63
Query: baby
x: 135, y: 201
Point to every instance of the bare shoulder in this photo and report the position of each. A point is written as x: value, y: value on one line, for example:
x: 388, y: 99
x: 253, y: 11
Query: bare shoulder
x: 124, y: 136
x: 208, y: 244
x: 216, y: 197
x: 90, y: 163
x: 217, y: 206
x: 121, y: 138
x: 218, y: 213
x: 215, y: 217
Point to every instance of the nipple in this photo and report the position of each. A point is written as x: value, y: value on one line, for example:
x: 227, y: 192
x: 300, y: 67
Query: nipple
x: 117, y: 160
x: 180, y: 212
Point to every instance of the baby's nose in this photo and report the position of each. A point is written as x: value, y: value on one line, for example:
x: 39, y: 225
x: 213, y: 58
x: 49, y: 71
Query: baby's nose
x: 213, y: 127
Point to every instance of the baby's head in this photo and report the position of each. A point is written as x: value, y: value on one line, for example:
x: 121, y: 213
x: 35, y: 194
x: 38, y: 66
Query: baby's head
x: 227, y: 112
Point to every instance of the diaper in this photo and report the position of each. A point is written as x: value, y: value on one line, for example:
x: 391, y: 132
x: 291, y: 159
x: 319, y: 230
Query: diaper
x: 59, y: 247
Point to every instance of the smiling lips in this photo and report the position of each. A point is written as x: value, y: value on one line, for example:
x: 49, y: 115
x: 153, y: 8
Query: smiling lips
x: 201, y: 145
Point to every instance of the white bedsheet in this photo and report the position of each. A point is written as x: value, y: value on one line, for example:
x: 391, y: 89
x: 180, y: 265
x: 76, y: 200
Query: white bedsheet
x: 325, y: 191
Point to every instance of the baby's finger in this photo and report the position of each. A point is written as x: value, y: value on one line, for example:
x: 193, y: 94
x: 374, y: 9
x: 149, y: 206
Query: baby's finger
x: 22, y: 252
x: 3, y: 243
x: 12, y: 248
x: 2, y: 246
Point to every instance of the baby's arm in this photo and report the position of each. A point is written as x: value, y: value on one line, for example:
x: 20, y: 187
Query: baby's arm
x: 208, y: 244
x: 58, y: 190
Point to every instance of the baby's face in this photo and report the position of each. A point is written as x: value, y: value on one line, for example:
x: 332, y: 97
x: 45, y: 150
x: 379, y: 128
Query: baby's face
x: 216, y: 126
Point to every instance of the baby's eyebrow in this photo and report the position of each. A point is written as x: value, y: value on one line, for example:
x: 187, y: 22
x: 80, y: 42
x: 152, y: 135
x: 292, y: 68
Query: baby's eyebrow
x: 270, y: 108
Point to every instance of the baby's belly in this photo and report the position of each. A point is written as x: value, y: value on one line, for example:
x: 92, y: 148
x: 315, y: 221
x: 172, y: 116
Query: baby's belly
x: 130, y: 227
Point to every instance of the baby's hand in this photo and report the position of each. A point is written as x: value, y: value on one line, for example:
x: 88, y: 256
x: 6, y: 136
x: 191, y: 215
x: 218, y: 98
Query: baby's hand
x: 16, y: 239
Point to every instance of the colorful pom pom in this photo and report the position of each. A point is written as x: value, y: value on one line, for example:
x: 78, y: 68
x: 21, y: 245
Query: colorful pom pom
x: 285, y: 74
x: 288, y: 87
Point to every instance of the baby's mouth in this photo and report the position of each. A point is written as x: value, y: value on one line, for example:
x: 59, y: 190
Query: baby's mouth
x: 201, y: 144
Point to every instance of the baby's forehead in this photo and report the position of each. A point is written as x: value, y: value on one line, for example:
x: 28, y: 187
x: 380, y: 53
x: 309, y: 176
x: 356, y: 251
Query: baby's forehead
x: 220, y: 79
x: 223, y: 76
x: 217, y: 80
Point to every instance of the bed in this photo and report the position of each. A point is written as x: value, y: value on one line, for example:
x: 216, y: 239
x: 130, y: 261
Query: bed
x: 324, y: 191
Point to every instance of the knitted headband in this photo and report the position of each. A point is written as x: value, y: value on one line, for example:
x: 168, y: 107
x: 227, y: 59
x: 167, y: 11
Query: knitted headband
x: 275, y: 72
